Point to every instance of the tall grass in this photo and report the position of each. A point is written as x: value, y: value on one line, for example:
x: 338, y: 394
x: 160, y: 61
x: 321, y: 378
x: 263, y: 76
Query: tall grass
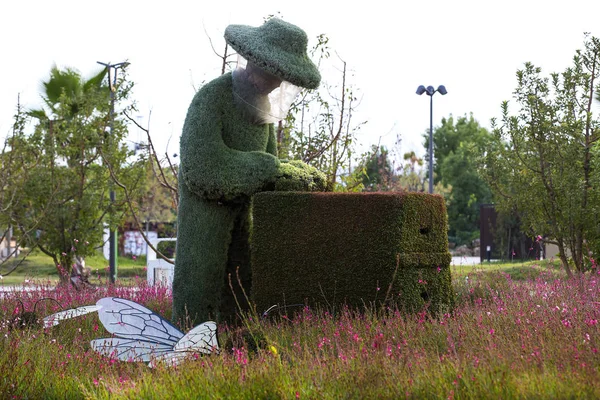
x: 535, y: 337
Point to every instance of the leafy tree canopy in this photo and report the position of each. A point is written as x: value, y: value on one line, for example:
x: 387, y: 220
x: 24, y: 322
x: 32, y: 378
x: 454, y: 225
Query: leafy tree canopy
x: 457, y: 147
x: 544, y: 159
x: 64, y: 191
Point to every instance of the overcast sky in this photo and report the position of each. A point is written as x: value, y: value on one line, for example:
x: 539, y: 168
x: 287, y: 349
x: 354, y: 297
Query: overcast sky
x: 474, y: 48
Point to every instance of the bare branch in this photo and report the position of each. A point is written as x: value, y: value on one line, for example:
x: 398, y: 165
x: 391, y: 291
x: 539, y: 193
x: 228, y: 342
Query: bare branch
x: 161, y: 175
x: 133, y: 213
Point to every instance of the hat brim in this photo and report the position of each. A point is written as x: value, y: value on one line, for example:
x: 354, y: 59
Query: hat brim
x: 294, y: 68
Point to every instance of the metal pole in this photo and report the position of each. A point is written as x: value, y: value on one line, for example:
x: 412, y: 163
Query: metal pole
x: 431, y: 143
x: 112, y: 238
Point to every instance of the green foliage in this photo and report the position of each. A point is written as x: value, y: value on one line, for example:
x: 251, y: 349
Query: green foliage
x: 63, y: 190
x: 457, y: 149
x: 295, y: 175
x: 384, y: 170
x: 223, y: 157
x: 319, y: 129
x: 377, y: 170
x: 353, y: 249
x: 277, y: 47
x: 156, y: 202
x: 224, y: 160
x: 66, y: 93
x: 541, y: 161
x: 411, y: 176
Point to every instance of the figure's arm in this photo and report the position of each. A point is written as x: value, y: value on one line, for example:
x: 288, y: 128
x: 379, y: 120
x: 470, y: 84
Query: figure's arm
x: 210, y: 168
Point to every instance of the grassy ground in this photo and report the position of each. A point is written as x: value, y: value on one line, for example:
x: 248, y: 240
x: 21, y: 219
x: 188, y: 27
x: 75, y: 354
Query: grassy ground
x: 39, y: 266
x: 518, y: 270
x: 518, y: 332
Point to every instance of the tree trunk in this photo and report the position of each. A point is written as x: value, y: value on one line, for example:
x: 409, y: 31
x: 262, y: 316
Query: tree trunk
x: 64, y: 268
x: 563, y: 258
x: 578, y: 253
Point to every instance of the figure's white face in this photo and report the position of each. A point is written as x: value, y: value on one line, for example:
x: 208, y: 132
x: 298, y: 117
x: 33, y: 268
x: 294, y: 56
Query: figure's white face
x: 280, y: 93
x: 264, y: 81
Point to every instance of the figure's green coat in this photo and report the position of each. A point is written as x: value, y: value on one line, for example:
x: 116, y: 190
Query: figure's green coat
x: 224, y: 161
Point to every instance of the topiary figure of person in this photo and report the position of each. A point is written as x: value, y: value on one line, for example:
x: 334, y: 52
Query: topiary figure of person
x: 228, y: 153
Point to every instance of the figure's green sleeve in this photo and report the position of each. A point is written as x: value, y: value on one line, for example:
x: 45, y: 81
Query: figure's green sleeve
x: 272, y: 144
x: 210, y: 168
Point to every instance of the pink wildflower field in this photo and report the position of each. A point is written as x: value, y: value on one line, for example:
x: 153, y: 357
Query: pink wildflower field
x: 531, y: 337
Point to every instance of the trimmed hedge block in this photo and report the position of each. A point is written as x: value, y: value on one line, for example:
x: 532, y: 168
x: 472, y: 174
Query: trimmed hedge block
x: 345, y: 248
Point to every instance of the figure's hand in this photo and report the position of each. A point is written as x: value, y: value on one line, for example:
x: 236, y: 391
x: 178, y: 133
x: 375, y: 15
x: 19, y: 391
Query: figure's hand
x: 319, y: 178
x: 298, y: 176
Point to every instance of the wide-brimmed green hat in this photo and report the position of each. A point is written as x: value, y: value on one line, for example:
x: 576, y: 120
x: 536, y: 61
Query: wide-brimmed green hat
x: 277, y: 47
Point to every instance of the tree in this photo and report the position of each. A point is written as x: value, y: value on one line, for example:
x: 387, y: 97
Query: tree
x: 381, y: 170
x: 545, y: 156
x: 457, y: 148
x: 319, y: 129
x: 156, y: 203
x: 411, y: 176
x: 15, y: 167
x: 65, y: 196
x: 377, y: 170
x: 66, y: 93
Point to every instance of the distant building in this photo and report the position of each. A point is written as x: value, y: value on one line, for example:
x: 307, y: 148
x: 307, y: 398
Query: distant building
x: 507, y: 244
x: 8, y: 245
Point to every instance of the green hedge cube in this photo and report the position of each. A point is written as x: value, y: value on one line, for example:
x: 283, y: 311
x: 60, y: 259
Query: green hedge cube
x: 352, y: 249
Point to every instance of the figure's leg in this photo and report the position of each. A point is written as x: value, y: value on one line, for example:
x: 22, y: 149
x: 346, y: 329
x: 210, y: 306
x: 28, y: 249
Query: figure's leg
x: 203, y: 238
x: 238, y: 268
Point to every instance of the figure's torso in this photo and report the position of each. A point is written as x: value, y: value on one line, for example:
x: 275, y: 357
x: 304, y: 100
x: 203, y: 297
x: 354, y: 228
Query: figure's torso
x: 240, y: 135
x: 237, y: 132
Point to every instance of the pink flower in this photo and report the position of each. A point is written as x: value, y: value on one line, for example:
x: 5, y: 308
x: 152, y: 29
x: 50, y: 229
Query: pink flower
x: 492, y: 331
x: 240, y: 356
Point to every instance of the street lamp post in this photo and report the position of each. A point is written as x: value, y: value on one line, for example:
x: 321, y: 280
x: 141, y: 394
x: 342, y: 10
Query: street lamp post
x: 430, y: 91
x: 112, y: 239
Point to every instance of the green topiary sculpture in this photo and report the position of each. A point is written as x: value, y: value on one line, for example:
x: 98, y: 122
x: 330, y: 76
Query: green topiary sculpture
x: 228, y: 153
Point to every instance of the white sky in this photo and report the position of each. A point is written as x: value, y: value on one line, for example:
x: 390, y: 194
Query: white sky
x: 474, y: 48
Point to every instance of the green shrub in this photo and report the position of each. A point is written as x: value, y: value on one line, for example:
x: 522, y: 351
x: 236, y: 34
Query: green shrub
x: 346, y: 248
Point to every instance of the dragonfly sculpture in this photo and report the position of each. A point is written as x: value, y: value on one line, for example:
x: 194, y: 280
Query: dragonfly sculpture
x: 139, y: 334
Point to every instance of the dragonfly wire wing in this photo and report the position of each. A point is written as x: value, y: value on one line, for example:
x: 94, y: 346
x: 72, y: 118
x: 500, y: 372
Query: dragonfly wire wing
x: 169, y: 359
x: 129, y: 349
x: 202, y: 339
x: 54, y: 319
x: 129, y: 320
